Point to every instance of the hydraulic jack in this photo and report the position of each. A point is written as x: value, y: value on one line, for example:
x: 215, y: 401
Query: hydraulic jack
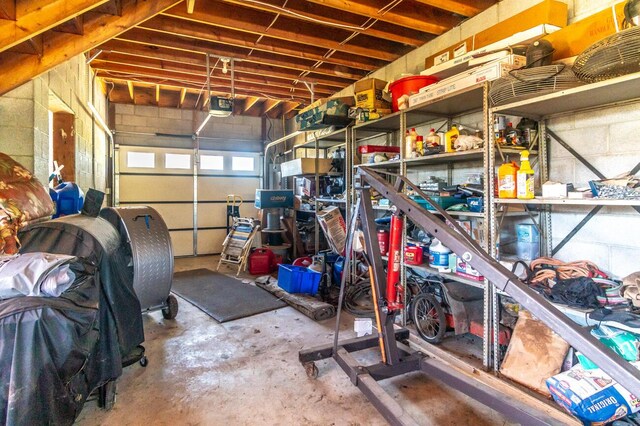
x: 396, y: 357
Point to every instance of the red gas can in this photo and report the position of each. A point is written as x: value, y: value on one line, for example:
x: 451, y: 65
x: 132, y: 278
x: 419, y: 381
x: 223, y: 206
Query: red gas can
x: 413, y: 255
x: 261, y: 261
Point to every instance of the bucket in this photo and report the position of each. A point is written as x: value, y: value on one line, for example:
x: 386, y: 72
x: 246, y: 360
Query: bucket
x: 409, y: 86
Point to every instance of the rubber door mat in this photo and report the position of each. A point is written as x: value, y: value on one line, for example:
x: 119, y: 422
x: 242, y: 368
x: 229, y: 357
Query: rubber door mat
x: 221, y: 297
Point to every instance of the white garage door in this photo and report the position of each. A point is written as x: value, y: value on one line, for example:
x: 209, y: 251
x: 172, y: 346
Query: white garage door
x: 191, y: 198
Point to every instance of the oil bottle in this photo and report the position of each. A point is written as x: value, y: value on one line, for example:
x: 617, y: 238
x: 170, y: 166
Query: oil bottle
x: 450, y: 139
x: 507, y: 178
x: 525, y: 184
x: 433, y: 140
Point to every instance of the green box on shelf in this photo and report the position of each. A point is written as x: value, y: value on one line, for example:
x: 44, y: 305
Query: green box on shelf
x: 443, y: 202
x: 329, y: 112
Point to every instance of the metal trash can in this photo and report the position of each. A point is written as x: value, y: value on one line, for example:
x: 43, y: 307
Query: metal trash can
x: 145, y: 233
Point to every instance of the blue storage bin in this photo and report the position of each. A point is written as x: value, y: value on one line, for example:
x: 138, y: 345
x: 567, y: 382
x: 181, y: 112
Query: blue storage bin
x: 298, y: 279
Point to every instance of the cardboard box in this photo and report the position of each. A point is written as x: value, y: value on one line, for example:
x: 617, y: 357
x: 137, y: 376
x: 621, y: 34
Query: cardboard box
x: 488, y: 72
x: 551, y: 12
x: 325, y: 113
x: 575, y: 38
x: 369, y: 94
x: 465, y: 270
x: 303, y: 166
x: 491, y: 52
x: 334, y: 228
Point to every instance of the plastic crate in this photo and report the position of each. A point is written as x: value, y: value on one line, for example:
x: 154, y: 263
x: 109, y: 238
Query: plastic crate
x: 298, y: 279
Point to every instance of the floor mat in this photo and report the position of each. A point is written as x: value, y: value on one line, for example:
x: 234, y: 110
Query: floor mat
x: 221, y: 297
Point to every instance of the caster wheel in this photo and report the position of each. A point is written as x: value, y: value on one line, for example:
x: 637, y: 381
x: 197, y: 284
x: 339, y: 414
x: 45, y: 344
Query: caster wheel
x: 171, y: 311
x: 311, y: 369
x: 144, y: 361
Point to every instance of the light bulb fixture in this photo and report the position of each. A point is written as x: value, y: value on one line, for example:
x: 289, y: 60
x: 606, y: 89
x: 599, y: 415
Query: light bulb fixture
x: 225, y: 65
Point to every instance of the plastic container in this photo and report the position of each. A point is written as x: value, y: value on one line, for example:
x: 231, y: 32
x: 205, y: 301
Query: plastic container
x: 408, y: 86
x: 68, y: 198
x: 450, y: 138
x: 261, y: 261
x: 298, y: 279
x: 443, y: 202
x: 413, y: 255
x: 438, y: 254
x: 383, y: 241
x: 526, y: 178
x: 370, y: 149
x: 507, y: 178
x: 527, y: 233
x: 433, y: 139
x: 527, y: 251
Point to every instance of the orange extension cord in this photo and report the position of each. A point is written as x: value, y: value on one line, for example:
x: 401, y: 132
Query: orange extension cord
x: 547, y: 268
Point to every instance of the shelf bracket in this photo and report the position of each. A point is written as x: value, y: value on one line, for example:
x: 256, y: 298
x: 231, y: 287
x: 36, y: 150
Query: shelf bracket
x: 575, y: 229
x: 576, y: 154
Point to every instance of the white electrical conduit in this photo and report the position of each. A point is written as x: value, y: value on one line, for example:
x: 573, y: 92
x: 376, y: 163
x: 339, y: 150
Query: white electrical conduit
x: 266, y: 156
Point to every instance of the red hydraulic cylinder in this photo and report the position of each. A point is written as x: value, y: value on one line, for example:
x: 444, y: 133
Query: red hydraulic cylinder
x: 395, y: 292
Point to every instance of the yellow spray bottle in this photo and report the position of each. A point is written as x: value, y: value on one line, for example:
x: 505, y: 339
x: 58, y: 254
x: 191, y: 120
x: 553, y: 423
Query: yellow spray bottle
x: 525, y: 185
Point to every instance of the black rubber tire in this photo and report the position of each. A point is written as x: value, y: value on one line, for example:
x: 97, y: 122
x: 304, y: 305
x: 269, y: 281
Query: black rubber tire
x: 429, y: 318
x: 144, y: 361
x: 171, y: 311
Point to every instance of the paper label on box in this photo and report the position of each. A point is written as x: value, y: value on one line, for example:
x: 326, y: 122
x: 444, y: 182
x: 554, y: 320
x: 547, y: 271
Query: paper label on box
x: 460, y: 50
x: 441, y: 59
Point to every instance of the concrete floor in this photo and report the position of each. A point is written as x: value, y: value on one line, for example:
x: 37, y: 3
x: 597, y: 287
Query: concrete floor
x: 246, y: 372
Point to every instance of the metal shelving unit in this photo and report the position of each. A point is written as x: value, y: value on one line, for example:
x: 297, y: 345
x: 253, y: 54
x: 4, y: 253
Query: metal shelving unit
x: 324, y: 140
x: 595, y: 96
x: 392, y: 128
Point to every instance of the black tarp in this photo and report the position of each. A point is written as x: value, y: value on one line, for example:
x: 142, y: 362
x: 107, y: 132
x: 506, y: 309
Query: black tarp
x: 46, y: 348
x: 43, y: 340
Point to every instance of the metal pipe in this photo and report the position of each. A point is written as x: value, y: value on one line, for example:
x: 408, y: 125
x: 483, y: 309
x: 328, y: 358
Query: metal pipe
x: 266, y: 156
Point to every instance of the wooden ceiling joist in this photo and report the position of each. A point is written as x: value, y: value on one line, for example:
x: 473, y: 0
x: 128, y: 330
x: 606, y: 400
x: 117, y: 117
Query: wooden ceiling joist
x: 217, y: 89
x: 287, y: 107
x: 8, y: 9
x: 248, y: 20
x: 130, y: 87
x: 191, y: 4
x: 249, y: 42
x: 183, y: 94
x: 461, y: 7
x: 405, y: 14
x: 17, y: 69
x: 268, y: 105
x: 73, y: 26
x: 306, y: 11
x: 149, y: 38
x: 249, y: 75
x: 249, y: 102
x: 219, y: 80
x: 37, y: 16
x: 119, y: 49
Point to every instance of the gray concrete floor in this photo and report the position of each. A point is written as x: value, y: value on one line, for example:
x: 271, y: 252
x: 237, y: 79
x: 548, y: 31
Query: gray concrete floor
x: 246, y: 372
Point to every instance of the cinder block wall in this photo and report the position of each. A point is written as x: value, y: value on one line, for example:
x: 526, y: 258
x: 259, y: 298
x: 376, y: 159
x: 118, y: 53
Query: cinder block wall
x: 24, y: 122
x: 610, y: 140
x: 140, y: 125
